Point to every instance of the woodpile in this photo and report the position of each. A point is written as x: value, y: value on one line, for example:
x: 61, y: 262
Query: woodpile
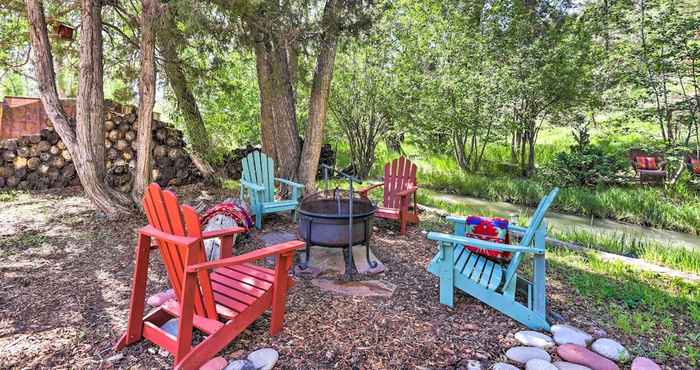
x: 42, y: 161
x: 232, y: 161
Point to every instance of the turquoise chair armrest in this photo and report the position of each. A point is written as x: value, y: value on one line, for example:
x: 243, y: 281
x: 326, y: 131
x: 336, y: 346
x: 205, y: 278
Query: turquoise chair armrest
x: 482, y: 244
x: 290, y: 183
x: 252, y: 186
x: 517, y: 229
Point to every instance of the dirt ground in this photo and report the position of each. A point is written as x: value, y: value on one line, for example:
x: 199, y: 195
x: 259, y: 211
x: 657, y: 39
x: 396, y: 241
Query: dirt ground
x: 65, y: 277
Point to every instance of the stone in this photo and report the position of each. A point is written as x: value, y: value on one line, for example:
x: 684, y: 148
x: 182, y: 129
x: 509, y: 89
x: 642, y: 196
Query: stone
x: 240, y: 365
x: 567, y: 334
x: 212, y: 246
x: 563, y: 365
x: 364, y: 288
x: 328, y: 261
x: 611, y: 349
x: 643, y: 363
x: 534, y: 339
x: 170, y: 327
x: 503, y: 366
x: 264, y: 359
x: 216, y: 363
x: 582, y: 356
x: 522, y: 355
x: 539, y: 364
x: 359, y: 257
x: 115, y: 358
x: 469, y: 365
x: 277, y: 237
x: 159, y: 299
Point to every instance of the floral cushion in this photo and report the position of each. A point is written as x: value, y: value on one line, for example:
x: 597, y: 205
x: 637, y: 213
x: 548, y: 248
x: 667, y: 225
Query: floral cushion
x: 646, y: 163
x: 490, y: 229
x: 695, y: 164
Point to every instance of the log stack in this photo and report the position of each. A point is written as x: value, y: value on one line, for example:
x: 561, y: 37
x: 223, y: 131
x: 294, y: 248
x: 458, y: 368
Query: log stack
x: 41, y: 161
x: 232, y: 161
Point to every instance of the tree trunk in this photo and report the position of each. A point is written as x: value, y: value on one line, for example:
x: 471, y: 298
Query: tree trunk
x: 200, y: 140
x: 147, y: 98
x: 80, y: 145
x: 318, y: 102
x: 286, y: 133
x: 267, y: 124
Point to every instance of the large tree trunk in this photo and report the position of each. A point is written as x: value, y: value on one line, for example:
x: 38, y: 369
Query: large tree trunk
x: 318, y: 102
x: 200, y: 141
x: 147, y: 98
x: 89, y: 108
x: 282, y: 95
x: 81, y: 145
x: 267, y: 124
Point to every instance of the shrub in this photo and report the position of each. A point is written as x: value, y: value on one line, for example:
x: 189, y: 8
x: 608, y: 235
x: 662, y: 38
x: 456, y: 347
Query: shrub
x: 589, y: 166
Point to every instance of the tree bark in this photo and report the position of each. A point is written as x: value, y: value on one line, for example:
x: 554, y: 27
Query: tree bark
x: 147, y: 98
x: 200, y: 140
x: 81, y: 144
x: 267, y: 124
x: 318, y: 102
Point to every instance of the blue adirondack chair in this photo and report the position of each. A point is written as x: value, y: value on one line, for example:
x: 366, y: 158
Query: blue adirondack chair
x: 489, y: 281
x: 258, y: 185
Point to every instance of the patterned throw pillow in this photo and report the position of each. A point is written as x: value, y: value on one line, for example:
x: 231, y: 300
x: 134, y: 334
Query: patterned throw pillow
x: 646, y: 163
x: 695, y: 163
x: 490, y: 229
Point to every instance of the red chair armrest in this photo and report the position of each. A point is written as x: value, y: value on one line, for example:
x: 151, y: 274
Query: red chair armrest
x: 251, y: 256
x: 407, y: 191
x: 175, y: 239
x: 367, y: 189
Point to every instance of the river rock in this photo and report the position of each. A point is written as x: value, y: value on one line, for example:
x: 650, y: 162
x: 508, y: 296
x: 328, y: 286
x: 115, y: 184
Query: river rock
x: 582, y: 356
x: 538, y: 364
x: 216, y: 363
x: 611, y: 349
x: 534, y: 339
x: 565, y: 334
x: 643, y: 363
x: 563, y: 365
x: 522, y: 355
x: 264, y: 359
x: 240, y: 365
x: 504, y: 366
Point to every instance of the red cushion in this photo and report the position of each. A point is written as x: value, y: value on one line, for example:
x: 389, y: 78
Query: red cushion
x: 490, y: 229
x: 695, y: 164
x: 646, y: 163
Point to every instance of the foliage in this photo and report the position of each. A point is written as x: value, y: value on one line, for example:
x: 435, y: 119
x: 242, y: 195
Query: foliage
x: 589, y: 167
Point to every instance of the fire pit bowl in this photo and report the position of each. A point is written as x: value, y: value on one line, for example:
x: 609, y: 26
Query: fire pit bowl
x: 325, y: 220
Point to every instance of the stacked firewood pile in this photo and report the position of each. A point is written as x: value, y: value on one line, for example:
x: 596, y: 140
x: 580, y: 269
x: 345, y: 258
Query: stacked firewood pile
x: 232, y: 167
x: 42, y: 161
x: 36, y: 162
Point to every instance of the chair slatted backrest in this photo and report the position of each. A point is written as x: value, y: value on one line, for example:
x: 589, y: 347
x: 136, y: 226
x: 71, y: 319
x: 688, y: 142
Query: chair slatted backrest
x: 399, y: 175
x: 165, y: 214
x: 526, y: 240
x: 259, y: 169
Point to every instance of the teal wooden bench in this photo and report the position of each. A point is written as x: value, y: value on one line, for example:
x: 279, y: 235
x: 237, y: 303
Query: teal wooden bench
x: 491, y: 282
x: 258, y: 185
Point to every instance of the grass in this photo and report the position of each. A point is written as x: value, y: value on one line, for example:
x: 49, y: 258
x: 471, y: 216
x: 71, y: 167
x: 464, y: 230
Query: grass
x: 642, y: 305
x: 10, y: 195
x: 671, y: 207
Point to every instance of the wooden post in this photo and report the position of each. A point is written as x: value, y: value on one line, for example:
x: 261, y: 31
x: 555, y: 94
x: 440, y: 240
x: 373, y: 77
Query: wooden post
x: 134, y: 329
x: 279, y: 292
x: 447, y: 274
x: 539, y: 302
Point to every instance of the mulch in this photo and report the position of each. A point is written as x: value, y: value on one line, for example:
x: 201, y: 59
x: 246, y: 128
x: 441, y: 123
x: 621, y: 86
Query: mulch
x: 65, y: 276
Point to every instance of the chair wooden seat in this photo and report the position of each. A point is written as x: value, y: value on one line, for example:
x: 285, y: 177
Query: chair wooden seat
x: 491, y: 282
x: 388, y: 213
x: 221, y: 297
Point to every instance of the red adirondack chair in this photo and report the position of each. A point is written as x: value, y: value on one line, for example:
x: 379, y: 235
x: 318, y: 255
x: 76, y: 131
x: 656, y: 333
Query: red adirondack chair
x: 220, y: 298
x: 399, y: 184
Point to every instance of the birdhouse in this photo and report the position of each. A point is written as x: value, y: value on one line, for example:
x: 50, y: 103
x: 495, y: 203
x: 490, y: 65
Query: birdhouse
x: 63, y: 31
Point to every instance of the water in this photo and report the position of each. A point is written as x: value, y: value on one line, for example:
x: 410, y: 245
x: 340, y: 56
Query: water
x: 568, y: 223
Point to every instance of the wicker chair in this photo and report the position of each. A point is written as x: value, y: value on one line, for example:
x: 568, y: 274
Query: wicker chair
x: 654, y: 172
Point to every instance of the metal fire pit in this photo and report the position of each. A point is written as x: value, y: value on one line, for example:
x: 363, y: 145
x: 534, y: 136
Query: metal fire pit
x: 337, y: 219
